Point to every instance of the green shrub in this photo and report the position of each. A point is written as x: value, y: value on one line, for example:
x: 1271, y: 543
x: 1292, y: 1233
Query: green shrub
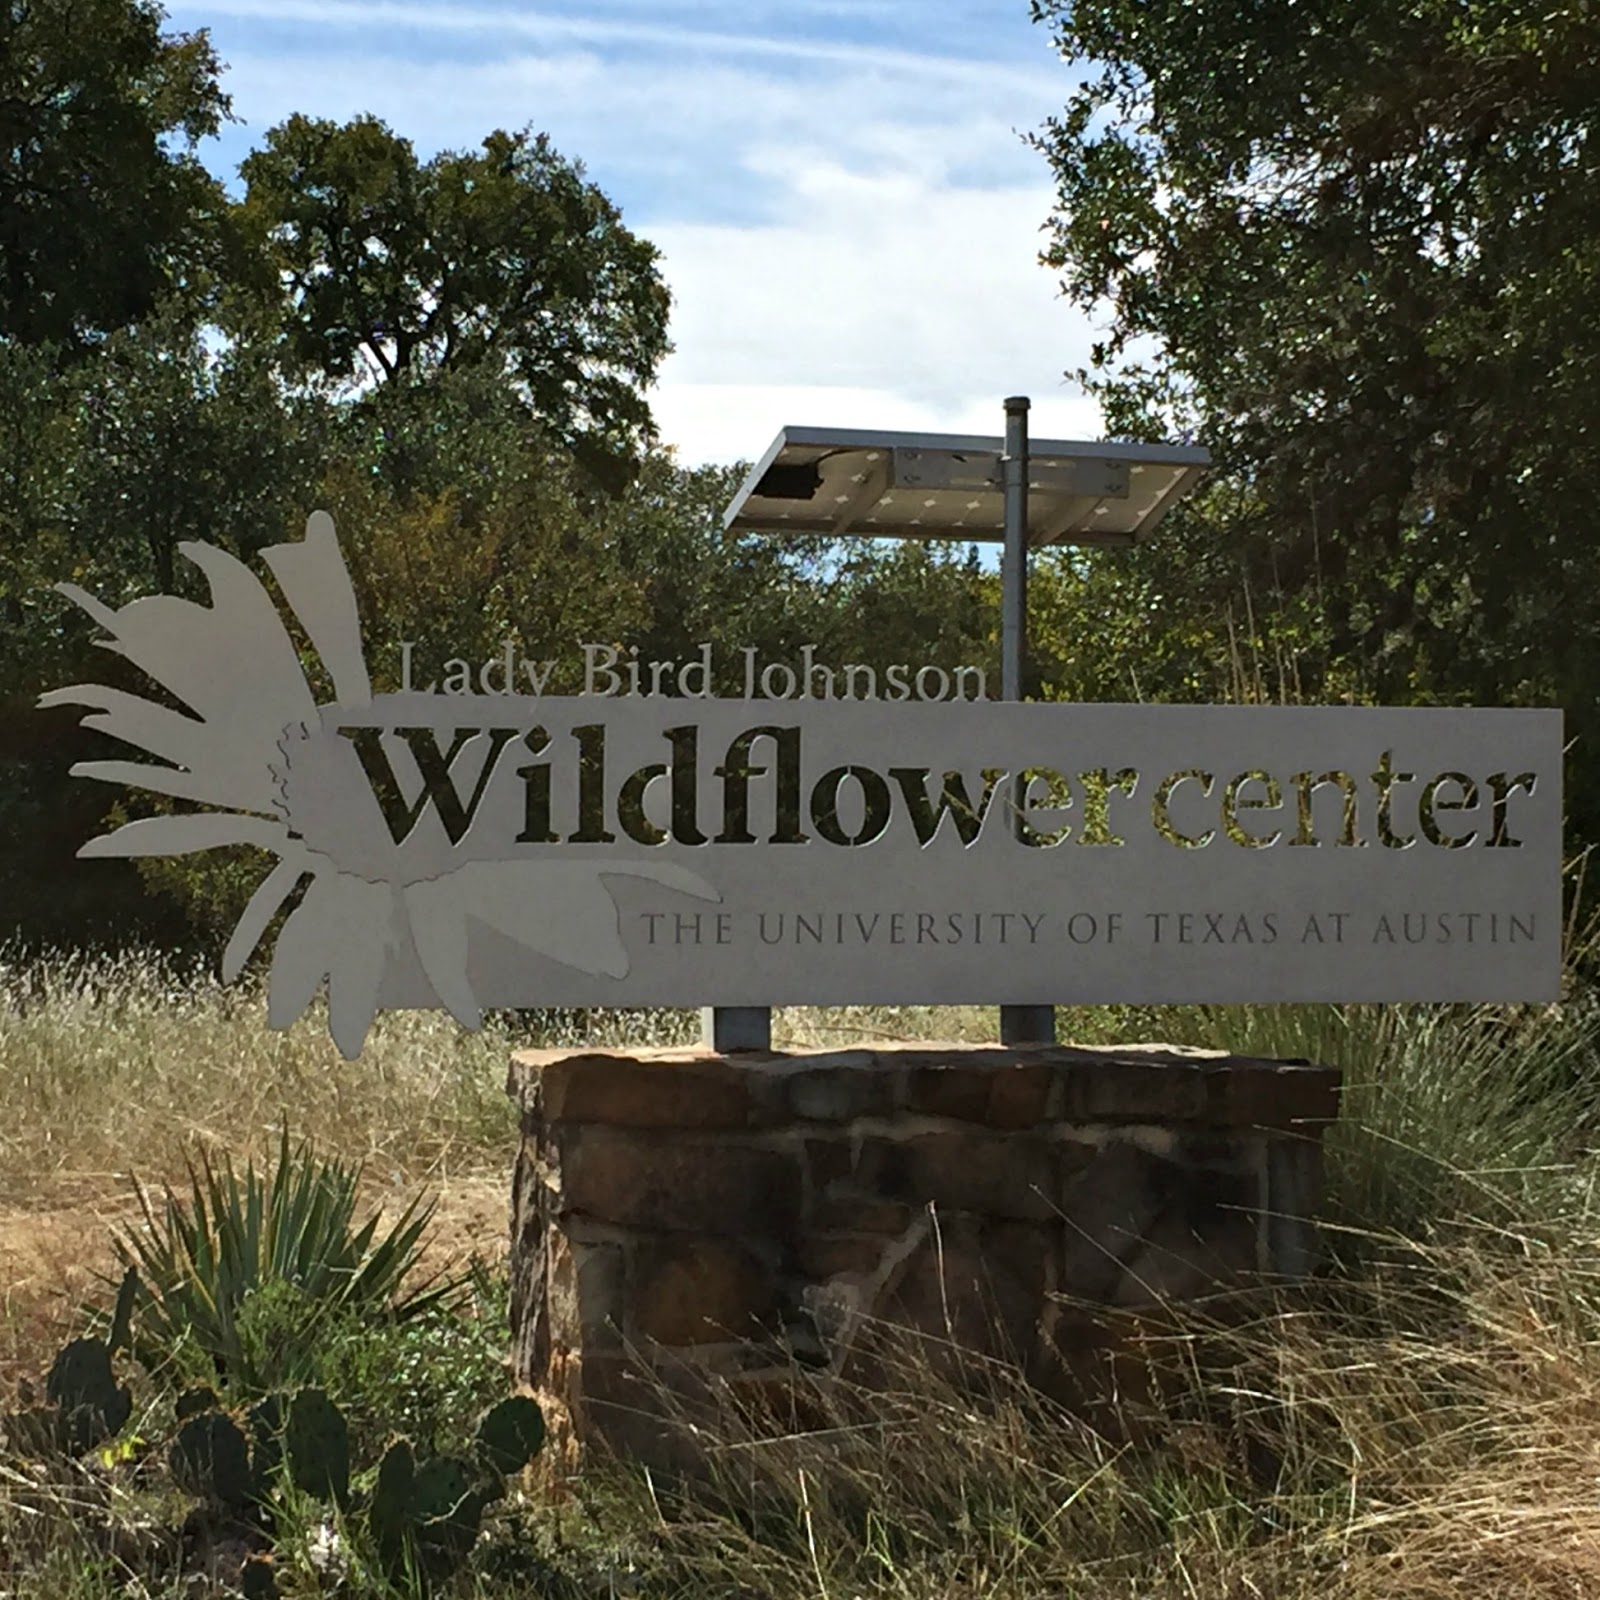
x: 256, y: 1272
x: 427, y: 1377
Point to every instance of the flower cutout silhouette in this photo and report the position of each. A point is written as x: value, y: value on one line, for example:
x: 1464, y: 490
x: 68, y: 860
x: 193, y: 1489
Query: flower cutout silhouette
x: 250, y: 748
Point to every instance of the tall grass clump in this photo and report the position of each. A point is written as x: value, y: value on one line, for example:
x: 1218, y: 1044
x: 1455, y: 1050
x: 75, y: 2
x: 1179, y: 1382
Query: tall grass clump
x: 1420, y: 1419
x: 131, y: 1061
x: 1428, y: 1429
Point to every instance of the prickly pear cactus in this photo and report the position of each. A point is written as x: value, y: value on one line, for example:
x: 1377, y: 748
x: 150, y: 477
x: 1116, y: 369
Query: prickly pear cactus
x: 426, y: 1515
x: 447, y: 1511
x: 266, y: 1437
x: 210, y: 1457
x: 193, y: 1401
x: 257, y: 1580
x: 510, y: 1435
x: 316, y: 1444
x: 389, y: 1511
x: 91, y: 1406
x: 440, y: 1485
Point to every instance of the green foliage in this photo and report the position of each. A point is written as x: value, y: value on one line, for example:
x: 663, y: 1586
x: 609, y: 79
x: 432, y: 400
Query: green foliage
x: 425, y: 1377
x: 178, y: 442
x: 375, y: 265
x: 289, y: 1234
x: 101, y: 212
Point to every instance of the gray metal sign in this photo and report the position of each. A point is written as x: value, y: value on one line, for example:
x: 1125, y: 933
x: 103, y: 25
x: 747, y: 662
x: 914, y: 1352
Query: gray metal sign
x: 483, y: 850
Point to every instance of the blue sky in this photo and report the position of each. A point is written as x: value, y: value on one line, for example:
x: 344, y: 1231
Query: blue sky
x: 849, y: 218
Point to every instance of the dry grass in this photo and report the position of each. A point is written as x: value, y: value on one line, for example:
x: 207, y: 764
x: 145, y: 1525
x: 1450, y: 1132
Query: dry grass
x: 115, y: 1066
x: 116, y: 1071
x: 1424, y: 1424
x: 1427, y: 1431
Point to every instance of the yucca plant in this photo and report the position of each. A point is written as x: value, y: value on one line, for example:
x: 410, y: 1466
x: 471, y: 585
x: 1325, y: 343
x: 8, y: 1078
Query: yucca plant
x: 284, y: 1245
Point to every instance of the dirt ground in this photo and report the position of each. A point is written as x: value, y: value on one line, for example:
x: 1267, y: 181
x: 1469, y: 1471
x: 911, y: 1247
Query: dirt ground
x: 52, y: 1251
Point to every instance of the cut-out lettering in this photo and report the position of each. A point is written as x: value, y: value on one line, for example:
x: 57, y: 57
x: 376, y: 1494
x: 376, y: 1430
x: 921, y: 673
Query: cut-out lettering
x: 438, y: 786
x: 1305, y: 786
x: 1502, y: 788
x: 953, y: 802
x: 1162, y: 818
x: 1234, y: 800
x: 875, y: 806
x: 1098, y: 787
x: 1432, y: 801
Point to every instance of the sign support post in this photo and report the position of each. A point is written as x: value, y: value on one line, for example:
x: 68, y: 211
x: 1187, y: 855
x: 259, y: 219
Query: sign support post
x: 1018, y: 1024
x: 724, y: 1028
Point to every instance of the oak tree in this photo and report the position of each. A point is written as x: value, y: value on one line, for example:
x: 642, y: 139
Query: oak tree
x: 1353, y: 245
x: 382, y: 269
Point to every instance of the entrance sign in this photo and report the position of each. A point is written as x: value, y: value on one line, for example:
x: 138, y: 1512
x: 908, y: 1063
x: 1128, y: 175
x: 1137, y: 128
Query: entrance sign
x: 485, y: 850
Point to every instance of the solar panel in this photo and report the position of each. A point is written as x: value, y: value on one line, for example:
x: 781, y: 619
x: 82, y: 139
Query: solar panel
x: 948, y: 486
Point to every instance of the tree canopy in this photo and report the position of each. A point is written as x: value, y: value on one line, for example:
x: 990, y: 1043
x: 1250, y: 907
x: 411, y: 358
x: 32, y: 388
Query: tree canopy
x: 375, y: 266
x: 100, y: 214
x: 1353, y: 246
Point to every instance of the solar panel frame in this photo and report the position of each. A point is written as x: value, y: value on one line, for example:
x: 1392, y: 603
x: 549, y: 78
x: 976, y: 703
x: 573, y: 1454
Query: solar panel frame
x: 868, y: 495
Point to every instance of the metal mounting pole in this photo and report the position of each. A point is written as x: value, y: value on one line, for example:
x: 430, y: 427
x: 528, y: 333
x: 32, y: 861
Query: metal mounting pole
x: 724, y: 1028
x: 1018, y: 1024
x: 1014, y: 556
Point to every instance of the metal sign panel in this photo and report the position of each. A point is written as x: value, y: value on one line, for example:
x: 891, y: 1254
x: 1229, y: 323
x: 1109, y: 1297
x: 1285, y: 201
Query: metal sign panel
x: 484, y: 850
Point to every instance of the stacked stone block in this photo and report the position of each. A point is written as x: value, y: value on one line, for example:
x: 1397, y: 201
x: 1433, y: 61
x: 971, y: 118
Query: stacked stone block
x: 682, y: 1217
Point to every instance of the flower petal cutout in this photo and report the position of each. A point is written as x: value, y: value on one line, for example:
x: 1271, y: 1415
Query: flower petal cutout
x: 232, y: 663
x: 439, y: 934
x: 558, y: 909
x: 275, y: 888
x: 343, y: 931
x: 316, y: 583
x: 179, y: 836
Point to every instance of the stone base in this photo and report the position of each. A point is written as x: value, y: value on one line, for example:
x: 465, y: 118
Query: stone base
x: 682, y: 1218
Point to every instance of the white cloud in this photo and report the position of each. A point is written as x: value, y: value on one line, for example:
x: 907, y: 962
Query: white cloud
x: 552, y: 27
x: 683, y: 142
x: 710, y: 423
x: 884, y: 302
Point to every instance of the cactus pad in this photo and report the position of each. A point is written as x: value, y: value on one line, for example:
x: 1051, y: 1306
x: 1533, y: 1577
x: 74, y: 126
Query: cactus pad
x: 389, y: 1511
x: 193, y: 1401
x: 257, y: 1580
x: 209, y: 1457
x: 82, y: 1385
x: 440, y: 1485
x: 510, y: 1434
x: 316, y: 1441
x: 266, y: 1428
